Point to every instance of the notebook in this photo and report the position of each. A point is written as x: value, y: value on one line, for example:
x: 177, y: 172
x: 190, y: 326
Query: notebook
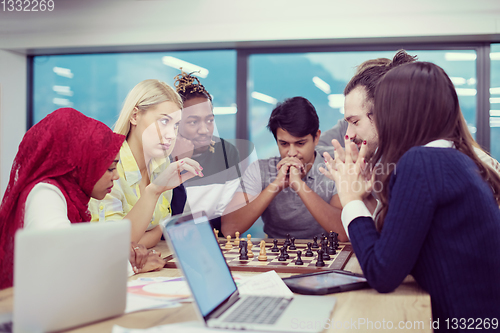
x: 71, y: 276
x: 216, y: 295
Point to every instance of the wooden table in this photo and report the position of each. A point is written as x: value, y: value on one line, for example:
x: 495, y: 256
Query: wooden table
x: 355, y: 310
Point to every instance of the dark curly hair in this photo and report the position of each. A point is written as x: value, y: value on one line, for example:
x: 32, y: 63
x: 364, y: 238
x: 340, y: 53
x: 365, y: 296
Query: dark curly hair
x: 188, y: 87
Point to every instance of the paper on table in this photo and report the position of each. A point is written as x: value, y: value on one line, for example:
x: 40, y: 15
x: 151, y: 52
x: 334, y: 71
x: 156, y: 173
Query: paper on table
x: 268, y: 283
x: 161, y: 288
x: 138, y: 303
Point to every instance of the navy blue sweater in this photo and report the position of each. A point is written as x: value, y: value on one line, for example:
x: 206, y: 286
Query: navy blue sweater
x: 442, y: 227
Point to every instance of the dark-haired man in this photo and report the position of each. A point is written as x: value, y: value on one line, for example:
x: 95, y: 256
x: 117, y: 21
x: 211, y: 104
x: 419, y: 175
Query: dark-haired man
x: 289, y: 192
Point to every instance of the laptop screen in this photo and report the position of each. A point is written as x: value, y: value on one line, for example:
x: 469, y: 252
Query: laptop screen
x: 201, y: 260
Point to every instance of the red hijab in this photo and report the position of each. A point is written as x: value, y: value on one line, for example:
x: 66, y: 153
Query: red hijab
x: 66, y: 149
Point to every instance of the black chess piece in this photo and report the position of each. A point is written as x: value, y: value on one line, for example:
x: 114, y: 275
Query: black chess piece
x: 323, y: 236
x: 331, y: 245
x: 292, y: 244
x: 309, y: 252
x: 275, y: 246
x: 320, y: 262
x: 285, y: 252
x: 287, y: 240
x: 243, y: 250
x: 336, y: 240
x: 324, y: 247
x: 315, y: 244
x: 299, y: 259
x: 282, y: 254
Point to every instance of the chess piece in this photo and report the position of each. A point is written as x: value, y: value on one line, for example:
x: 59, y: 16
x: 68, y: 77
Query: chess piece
x: 324, y: 247
x: 285, y: 252
x: 336, y: 240
x: 228, y: 246
x: 331, y: 245
x: 287, y: 240
x: 216, y: 233
x: 249, y: 237
x: 282, y: 254
x: 292, y: 244
x: 309, y: 252
x: 326, y: 256
x: 243, y: 250
x: 275, y: 246
x: 236, y: 238
x: 262, y: 254
x: 320, y: 262
x: 299, y: 258
x: 250, y: 252
x: 315, y: 244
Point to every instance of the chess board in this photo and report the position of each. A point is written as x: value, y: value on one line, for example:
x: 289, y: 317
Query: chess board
x: 337, y: 261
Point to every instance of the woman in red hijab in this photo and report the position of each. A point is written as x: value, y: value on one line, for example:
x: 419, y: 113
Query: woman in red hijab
x: 62, y: 162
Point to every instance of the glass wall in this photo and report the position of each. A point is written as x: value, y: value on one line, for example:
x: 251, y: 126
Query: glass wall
x: 495, y: 101
x: 97, y: 84
x: 321, y: 77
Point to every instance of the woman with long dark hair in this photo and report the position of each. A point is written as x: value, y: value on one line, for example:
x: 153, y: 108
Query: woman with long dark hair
x: 439, y: 219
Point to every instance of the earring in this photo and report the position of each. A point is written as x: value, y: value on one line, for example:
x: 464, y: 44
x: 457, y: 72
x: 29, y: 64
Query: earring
x: 212, y: 147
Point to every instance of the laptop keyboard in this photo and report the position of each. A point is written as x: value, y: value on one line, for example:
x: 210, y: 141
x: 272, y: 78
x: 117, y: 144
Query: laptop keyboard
x: 258, y: 310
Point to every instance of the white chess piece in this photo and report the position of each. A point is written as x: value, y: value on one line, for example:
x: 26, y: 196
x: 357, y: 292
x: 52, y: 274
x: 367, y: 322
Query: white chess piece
x: 262, y: 254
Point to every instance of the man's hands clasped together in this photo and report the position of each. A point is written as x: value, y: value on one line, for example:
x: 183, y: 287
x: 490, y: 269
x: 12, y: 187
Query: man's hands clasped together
x: 290, y: 173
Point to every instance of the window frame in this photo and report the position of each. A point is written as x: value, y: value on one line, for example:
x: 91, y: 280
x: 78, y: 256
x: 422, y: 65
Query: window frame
x: 483, y: 68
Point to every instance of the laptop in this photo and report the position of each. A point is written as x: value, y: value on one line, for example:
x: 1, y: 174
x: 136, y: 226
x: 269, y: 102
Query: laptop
x: 70, y: 276
x: 216, y: 295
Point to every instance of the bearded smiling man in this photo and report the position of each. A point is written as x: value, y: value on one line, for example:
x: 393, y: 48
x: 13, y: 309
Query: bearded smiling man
x: 358, y: 124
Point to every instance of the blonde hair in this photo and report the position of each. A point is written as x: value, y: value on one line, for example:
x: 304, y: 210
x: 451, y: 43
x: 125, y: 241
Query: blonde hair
x: 145, y: 95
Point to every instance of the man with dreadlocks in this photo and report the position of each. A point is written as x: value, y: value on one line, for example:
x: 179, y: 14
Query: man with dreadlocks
x: 219, y: 158
x: 288, y: 191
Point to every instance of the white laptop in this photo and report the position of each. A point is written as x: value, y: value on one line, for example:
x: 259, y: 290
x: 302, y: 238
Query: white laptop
x: 71, y: 276
x: 216, y: 295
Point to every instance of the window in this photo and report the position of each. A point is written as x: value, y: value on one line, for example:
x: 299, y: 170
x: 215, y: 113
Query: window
x: 321, y: 78
x: 97, y: 84
x: 495, y: 101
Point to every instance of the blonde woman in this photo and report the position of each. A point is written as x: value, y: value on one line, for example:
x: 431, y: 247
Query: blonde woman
x: 149, y: 119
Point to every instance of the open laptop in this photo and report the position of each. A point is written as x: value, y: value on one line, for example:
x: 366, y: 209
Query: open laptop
x: 71, y: 276
x: 216, y: 295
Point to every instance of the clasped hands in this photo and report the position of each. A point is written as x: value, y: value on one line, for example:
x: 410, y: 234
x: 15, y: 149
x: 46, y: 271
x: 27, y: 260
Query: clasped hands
x: 290, y: 173
x: 349, y: 170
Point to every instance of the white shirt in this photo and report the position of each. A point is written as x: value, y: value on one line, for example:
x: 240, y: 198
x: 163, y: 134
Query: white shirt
x: 46, y: 208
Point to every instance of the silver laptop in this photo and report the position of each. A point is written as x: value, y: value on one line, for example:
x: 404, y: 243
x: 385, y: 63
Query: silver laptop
x: 71, y: 276
x: 216, y: 295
